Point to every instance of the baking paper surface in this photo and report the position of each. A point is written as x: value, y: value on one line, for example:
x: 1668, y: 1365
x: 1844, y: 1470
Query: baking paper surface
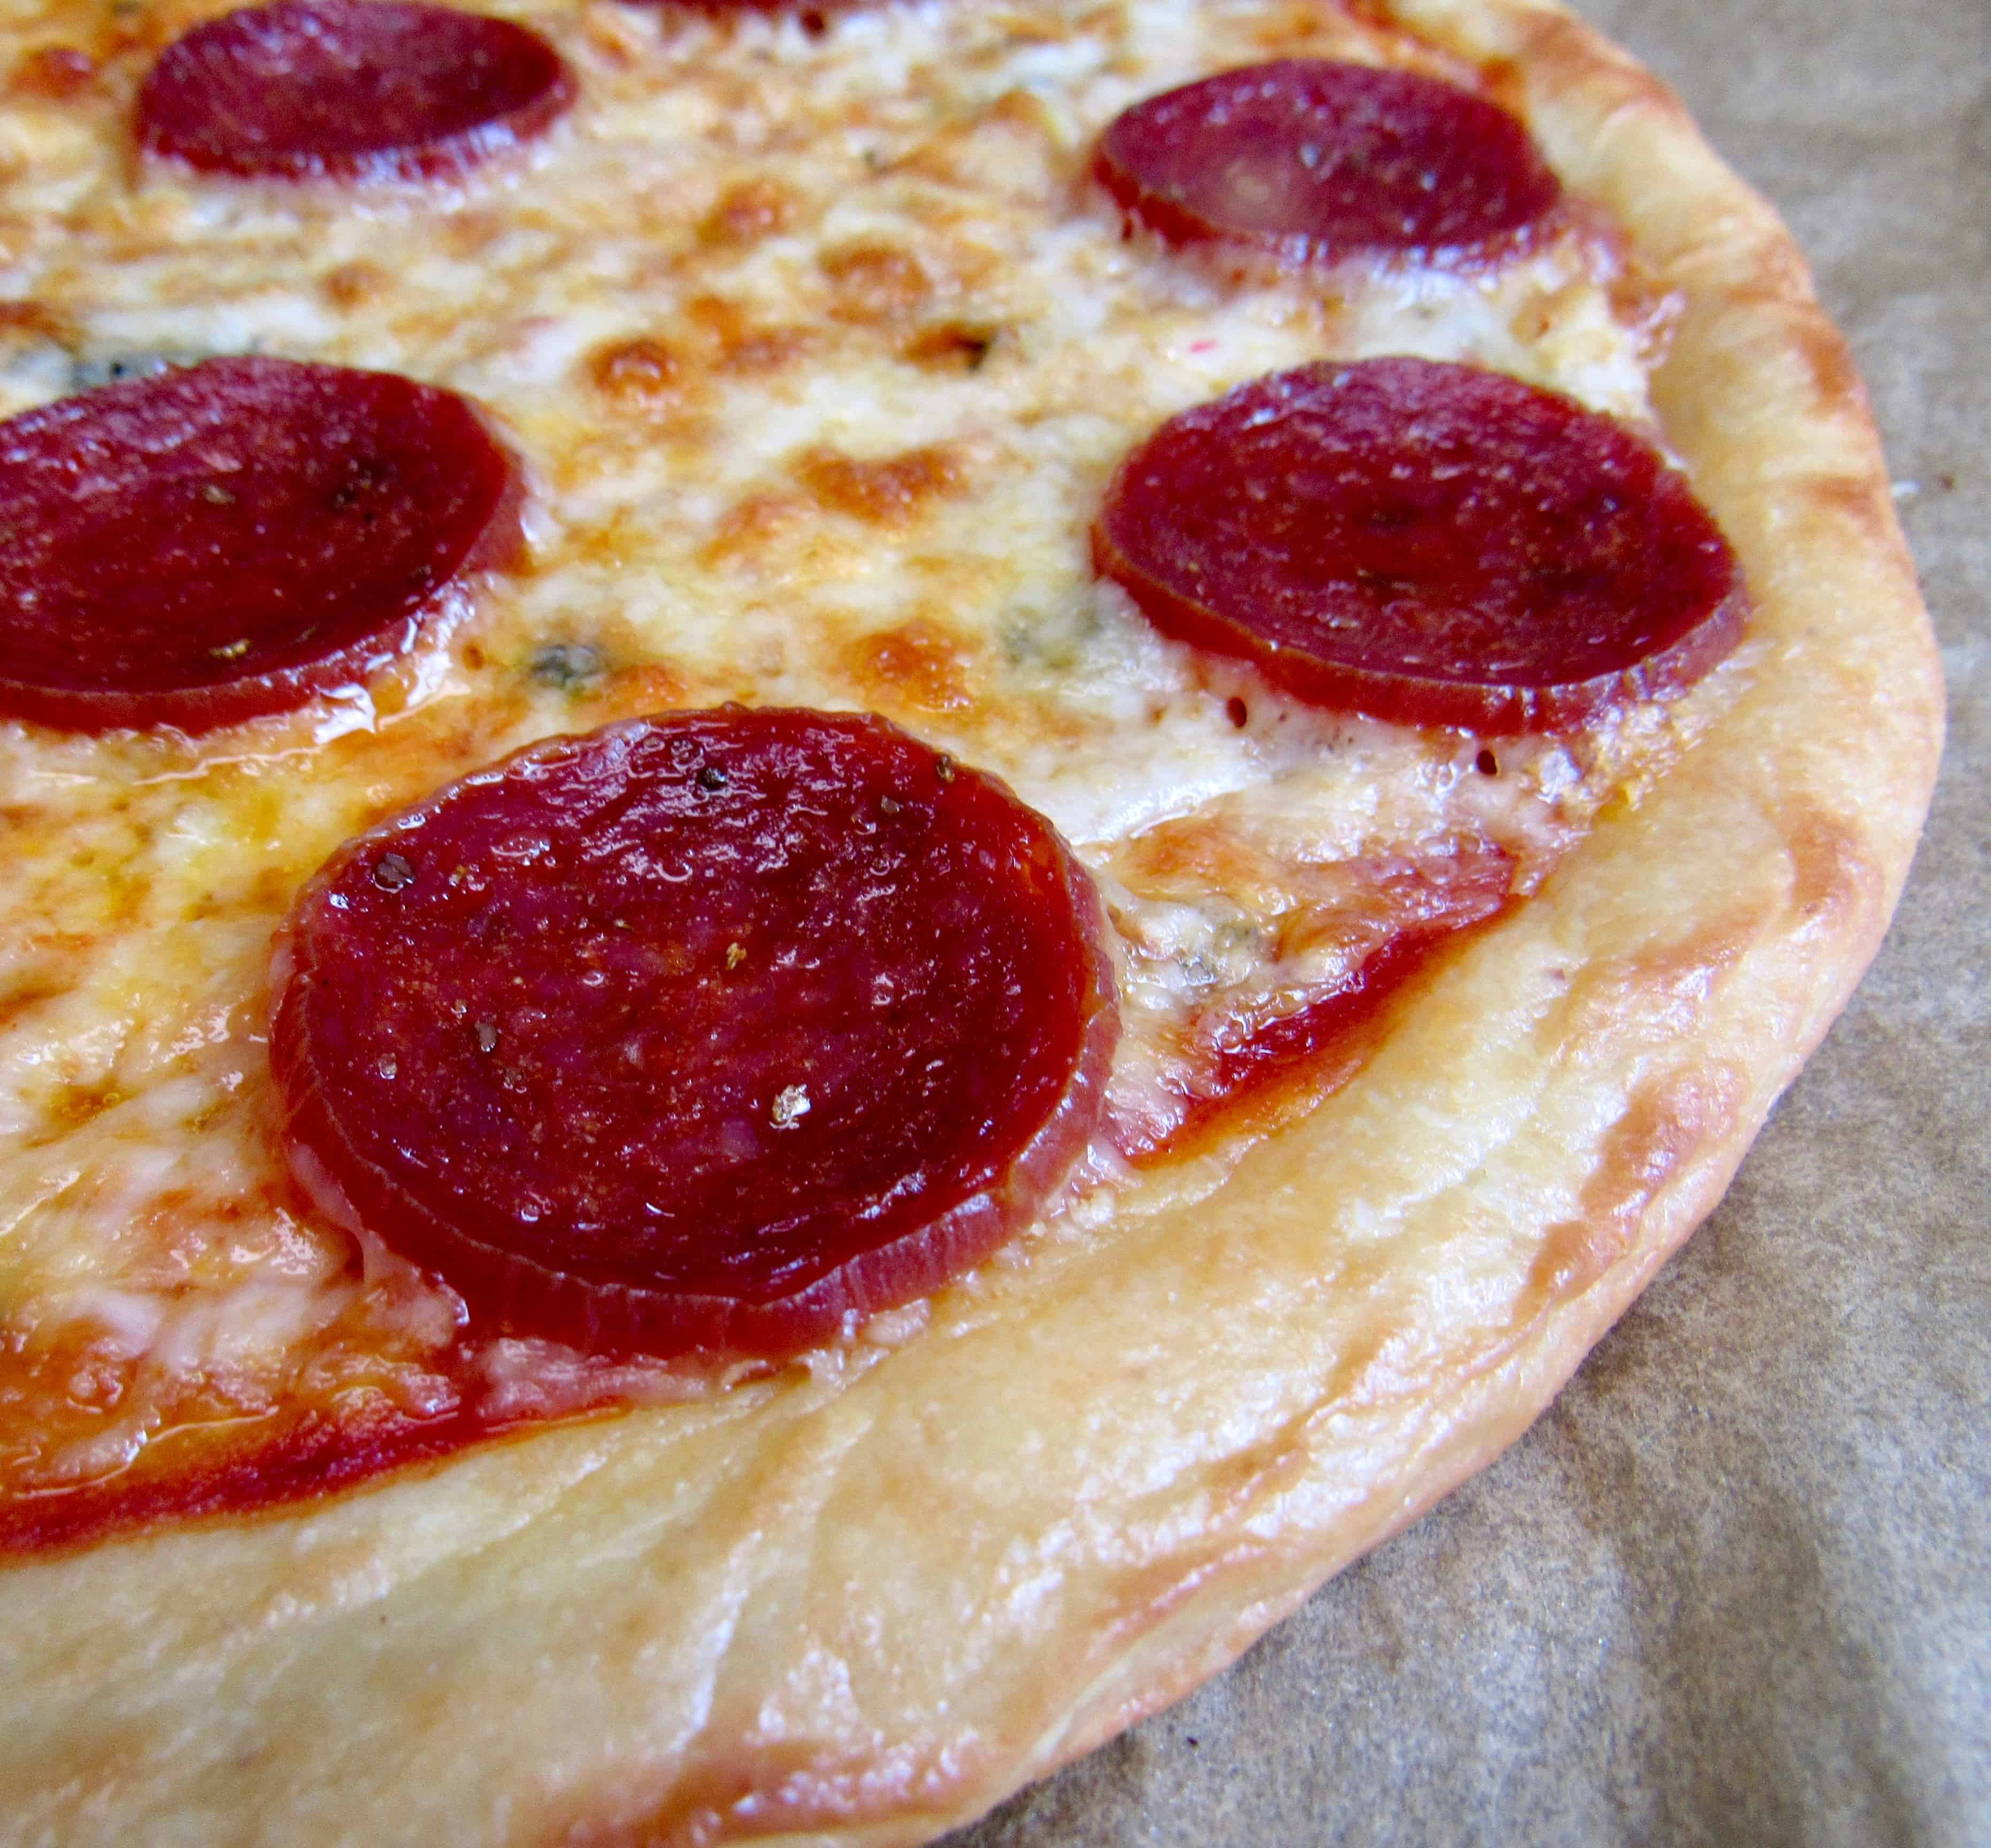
x: 1736, y: 1585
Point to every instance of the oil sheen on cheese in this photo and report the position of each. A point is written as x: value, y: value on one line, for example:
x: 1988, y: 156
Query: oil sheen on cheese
x: 820, y: 352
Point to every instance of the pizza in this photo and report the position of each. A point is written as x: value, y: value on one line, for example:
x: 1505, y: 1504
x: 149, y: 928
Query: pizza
x: 859, y: 861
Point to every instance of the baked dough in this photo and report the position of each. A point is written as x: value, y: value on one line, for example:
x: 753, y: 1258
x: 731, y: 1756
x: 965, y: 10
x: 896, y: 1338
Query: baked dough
x: 865, y: 1606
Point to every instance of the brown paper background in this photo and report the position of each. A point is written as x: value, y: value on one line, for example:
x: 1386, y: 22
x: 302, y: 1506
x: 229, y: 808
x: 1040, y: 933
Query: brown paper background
x: 1735, y: 1586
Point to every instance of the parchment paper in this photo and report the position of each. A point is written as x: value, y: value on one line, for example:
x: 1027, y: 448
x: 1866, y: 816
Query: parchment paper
x: 1736, y: 1585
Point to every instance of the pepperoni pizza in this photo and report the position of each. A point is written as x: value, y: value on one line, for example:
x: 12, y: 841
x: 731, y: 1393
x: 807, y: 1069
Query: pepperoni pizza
x: 859, y: 860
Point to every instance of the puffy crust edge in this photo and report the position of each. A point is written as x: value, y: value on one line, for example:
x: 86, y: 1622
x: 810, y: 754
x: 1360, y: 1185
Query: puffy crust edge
x: 865, y: 1611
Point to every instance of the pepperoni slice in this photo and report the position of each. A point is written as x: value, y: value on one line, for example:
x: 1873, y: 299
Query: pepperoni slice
x: 350, y: 89
x: 1311, y: 162
x: 702, y: 1031
x: 1435, y: 544
x: 203, y: 546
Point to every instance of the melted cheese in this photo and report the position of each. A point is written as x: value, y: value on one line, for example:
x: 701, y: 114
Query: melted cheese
x: 819, y: 352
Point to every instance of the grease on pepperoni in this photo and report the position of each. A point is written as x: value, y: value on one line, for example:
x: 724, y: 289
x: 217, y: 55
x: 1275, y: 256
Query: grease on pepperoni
x: 350, y: 89
x: 204, y: 545
x: 1312, y: 162
x: 1433, y: 544
x: 705, y: 1031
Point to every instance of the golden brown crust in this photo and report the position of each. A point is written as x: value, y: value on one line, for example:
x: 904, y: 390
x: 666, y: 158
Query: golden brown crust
x: 864, y: 1609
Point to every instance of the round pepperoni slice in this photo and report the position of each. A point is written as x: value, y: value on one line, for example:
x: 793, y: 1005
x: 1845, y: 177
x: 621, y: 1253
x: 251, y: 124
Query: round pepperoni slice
x: 1311, y: 162
x: 350, y: 89
x: 1435, y: 544
x: 703, y: 1032
x: 203, y: 546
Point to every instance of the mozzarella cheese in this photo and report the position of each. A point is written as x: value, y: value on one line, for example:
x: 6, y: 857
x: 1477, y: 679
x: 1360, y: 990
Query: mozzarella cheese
x: 818, y: 351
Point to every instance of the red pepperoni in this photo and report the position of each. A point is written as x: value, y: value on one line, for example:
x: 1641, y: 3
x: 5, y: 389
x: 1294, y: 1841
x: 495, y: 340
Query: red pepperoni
x: 701, y: 1032
x: 206, y: 545
x: 1311, y: 162
x: 350, y: 89
x: 1435, y: 544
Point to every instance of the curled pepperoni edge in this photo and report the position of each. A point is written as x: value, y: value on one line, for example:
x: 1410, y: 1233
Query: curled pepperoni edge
x: 196, y: 710
x: 440, y: 158
x: 1491, y: 710
x: 1183, y: 228
x: 628, y: 1320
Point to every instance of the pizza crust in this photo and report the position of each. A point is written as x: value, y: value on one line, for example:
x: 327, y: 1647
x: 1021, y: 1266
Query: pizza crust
x: 865, y: 1605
